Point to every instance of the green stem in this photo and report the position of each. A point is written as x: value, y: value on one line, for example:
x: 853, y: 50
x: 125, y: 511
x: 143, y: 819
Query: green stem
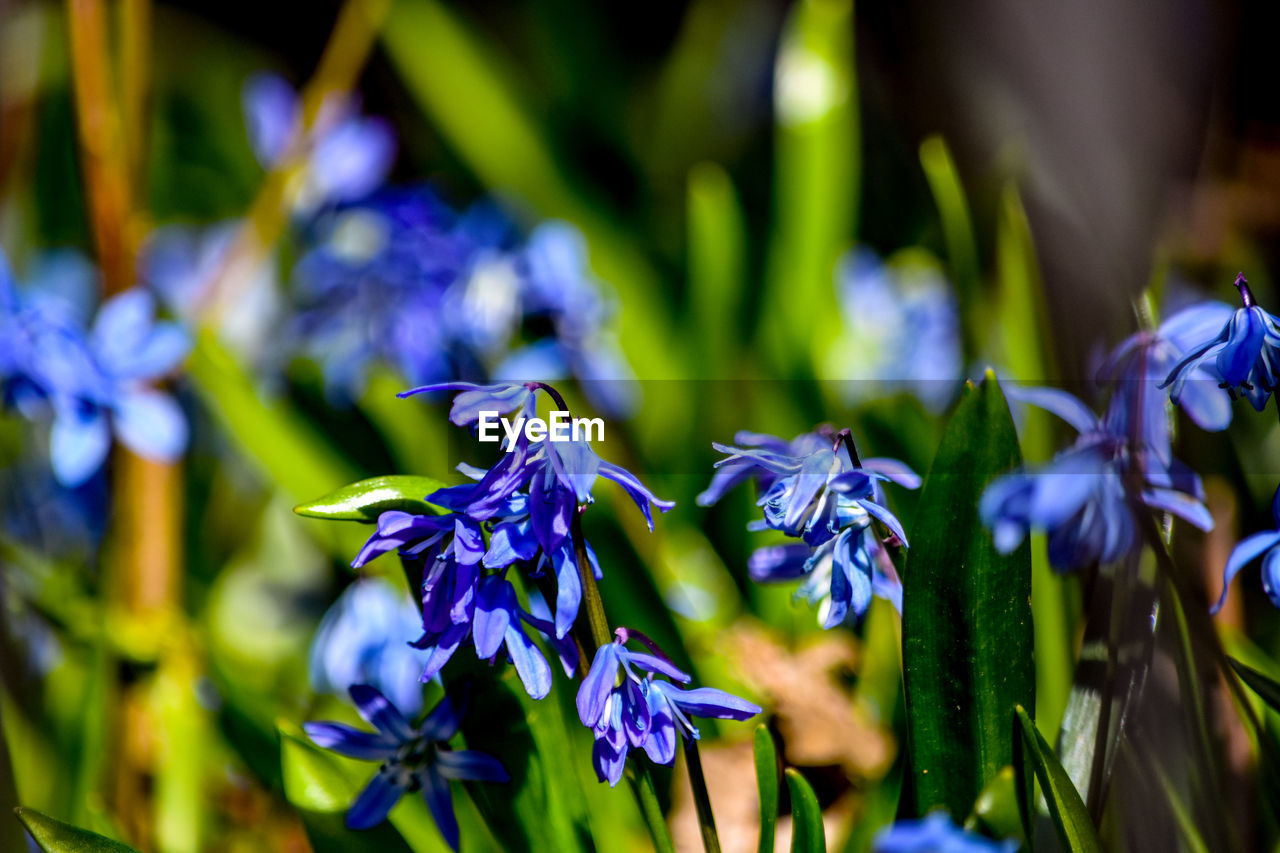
x: 647, y: 797
x: 600, y: 633
x: 701, y: 798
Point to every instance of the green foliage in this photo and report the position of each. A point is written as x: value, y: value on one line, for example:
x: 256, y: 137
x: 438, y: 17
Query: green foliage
x: 1265, y: 686
x: 1066, y: 809
x: 367, y: 499
x: 766, y: 755
x: 967, y: 634
x: 54, y: 836
x: 807, y: 832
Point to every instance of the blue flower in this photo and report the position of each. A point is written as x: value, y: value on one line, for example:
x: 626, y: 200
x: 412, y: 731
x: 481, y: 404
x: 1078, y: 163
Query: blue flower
x: 1081, y: 498
x: 813, y: 490
x: 348, y: 156
x: 936, y: 834
x: 629, y: 710
x: 96, y: 382
x: 1138, y: 367
x: 365, y: 638
x: 901, y: 329
x: 413, y: 758
x: 1246, y: 354
x: 1265, y: 545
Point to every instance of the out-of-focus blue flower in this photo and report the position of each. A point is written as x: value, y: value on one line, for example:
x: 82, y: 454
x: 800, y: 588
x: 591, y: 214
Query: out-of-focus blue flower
x: 365, y: 638
x: 347, y: 155
x: 1245, y: 354
x: 901, y: 329
x: 936, y: 834
x: 1137, y: 368
x: 811, y: 489
x: 626, y: 709
x: 93, y: 383
x: 412, y: 758
x: 1265, y: 545
x: 1081, y: 498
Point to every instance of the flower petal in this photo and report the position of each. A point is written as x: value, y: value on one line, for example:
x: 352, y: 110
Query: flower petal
x: 377, y: 711
x: 495, y: 601
x: 470, y: 764
x: 1243, y: 554
x: 355, y: 743
x: 531, y: 666
x: 593, y: 694
x: 1058, y: 402
x: 151, y: 424
x: 439, y: 800
x: 374, y: 802
x: 78, y: 445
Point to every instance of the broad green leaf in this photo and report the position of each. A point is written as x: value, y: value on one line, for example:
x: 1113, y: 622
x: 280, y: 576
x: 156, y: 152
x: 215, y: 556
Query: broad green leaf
x: 1264, y: 686
x: 1066, y: 809
x: 767, y: 783
x: 807, y: 833
x: 54, y: 836
x: 966, y: 627
x: 816, y: 177
x: 367, y: 499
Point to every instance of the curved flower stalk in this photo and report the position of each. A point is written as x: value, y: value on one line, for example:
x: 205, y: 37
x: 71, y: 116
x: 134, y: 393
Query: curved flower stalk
x: 94, y: 382
x: 815, y: 489
x: 1265, y: 545
x: 413, y: 758
x: 1082, y: 498
x: 936, y: 833
x: 1243, y: 356
x: 627, y: 708
x: 516, y: 516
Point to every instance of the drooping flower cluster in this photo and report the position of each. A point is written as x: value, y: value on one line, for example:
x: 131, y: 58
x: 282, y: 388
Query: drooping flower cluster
x: 814, y: 489
x: 1243, y: 356
x: 1085, y: 499
x: 92, y: 382
x: 627, y: 707
x: 413, y: 758
x: 519, y: 513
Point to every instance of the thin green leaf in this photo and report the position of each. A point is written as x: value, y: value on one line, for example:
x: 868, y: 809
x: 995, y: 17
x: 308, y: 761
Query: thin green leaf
x: 54, y: 836
x: 807, y: 832
x: 817, y: 153
x: 313, y: 780
x: 367, y: 499
x: 1264, y: 686
x: 767, y: 783
x: 957, y: 231
x: 717, y: 268
x: 1066, y: 809
x: 967, y: 630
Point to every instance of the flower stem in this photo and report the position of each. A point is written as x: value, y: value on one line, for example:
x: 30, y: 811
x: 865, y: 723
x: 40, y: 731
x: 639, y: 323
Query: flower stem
x: 647, y: 797
x: 701, y: 797
x: 596, y: 620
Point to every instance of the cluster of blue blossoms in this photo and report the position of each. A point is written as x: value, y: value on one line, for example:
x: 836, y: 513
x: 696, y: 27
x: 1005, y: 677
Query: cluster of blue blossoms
x: 90, y: 380
x: 393, y: 276
x: 517, y: 522
x: 815, y: 489
x: 1088, y: 498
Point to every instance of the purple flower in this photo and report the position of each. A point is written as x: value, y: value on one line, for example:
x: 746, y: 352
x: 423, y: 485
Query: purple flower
x: 812, y: 489
x: 936, y: 834
x: 348, y: 155
x: 626, y: 707
x: 1245, y: 354
x: 413, y: 758
x: 1265, y: 545
x: 1081, y: 498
